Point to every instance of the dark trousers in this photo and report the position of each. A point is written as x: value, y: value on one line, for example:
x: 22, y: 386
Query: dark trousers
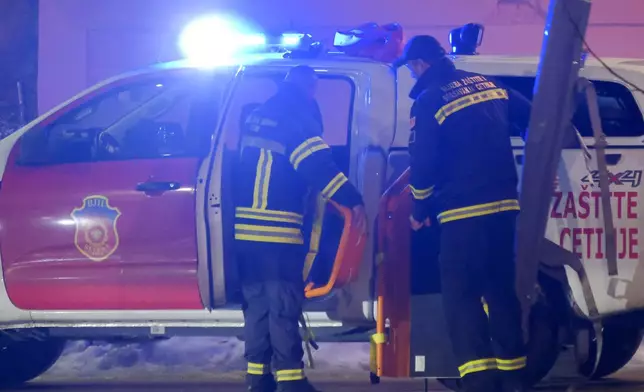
x: 273, y: 292
x: 477, y: 261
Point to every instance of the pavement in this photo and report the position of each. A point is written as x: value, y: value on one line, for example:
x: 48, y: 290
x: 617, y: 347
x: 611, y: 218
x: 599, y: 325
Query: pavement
x: 631, y: 379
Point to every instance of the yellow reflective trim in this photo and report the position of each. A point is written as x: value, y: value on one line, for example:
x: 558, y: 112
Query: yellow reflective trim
x: 479, y: 365
x: 333, y: 185
x: 378, y: 338
x: 479, y: 210
x: 511, y: 364
x: 257, y: 369
x: 469, y: 100
x: 261, y: 161
x: 289, y: 375
x: 308, y: 152
x: 262, y: 179
x: 486, y: 309
x: 316, y: 234
x: 268, y: 229
x: 268, y: 238
x: 267, y: 180
x: 283, y: 235
x: 268, y: 215
x: 421, y: 194
x: 305, y: 149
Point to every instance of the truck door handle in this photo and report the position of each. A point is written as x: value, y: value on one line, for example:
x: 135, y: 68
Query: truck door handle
x: 157, y: 186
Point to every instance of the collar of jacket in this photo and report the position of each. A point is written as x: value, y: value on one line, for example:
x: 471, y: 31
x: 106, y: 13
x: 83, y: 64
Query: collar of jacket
x: 294, y: 99
x: 292, y: 95
x: 434, y: 74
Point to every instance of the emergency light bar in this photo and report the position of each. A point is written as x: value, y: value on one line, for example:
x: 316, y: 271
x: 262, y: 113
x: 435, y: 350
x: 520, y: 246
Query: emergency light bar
x: 370, y: 40
x: 464, y: 40
x: 215, y: 40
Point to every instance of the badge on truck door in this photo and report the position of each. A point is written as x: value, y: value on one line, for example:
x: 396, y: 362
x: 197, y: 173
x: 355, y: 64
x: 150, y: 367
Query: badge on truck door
x: 96, y: 235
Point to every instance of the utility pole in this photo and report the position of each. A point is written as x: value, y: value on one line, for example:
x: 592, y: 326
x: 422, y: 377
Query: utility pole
x: 552, y: 111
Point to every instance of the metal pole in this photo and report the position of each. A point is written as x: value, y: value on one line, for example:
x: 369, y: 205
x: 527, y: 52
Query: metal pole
x: 552, y: 112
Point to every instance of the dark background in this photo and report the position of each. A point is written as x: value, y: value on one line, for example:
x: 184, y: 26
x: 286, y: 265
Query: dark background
x: 18, y: 61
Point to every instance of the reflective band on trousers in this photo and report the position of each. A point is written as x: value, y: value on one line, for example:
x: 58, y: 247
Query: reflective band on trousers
x: 479, y: 210
x: 511, y: 364
x: 492, y: 364
x: 283, y: 235
x: 289, y: 375
x: 258, y: 369
x: 269, y: 215
x: 477, y: 366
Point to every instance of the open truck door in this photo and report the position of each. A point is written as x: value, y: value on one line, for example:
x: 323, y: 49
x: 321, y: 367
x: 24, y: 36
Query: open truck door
x: 98, y: 201
x: 412, y: 338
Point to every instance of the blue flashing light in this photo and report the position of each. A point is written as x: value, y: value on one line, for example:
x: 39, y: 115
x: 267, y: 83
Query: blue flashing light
x: 214, y: 40
x: 290, y: 39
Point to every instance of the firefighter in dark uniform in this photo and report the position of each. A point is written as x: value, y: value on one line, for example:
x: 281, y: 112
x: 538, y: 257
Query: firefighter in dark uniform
x: 282, y: 157
x: 462, y: 166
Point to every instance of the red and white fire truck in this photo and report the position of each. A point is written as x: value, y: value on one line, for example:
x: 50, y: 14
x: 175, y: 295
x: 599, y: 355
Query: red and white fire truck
x: 116, y: 218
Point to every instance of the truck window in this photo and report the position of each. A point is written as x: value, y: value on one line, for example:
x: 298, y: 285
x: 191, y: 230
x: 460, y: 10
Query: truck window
x: 334, y: 97
x: 160, y: 117
x: 620, y: 114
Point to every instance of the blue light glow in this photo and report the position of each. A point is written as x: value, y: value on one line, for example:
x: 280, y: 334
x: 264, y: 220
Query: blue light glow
x: 291, y: 39
x: 214, y: 40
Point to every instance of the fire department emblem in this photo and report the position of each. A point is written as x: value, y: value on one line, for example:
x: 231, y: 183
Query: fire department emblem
x: 96, y: 235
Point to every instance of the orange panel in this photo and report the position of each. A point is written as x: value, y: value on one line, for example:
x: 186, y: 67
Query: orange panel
x: 394, y: 279
x: 347, y: 261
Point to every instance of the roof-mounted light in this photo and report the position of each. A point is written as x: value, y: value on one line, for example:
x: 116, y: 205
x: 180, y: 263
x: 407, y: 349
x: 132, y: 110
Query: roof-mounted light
x: 290, y: 40
x: 215, y: 40
x: 370, y: 40
x: 464, y: 40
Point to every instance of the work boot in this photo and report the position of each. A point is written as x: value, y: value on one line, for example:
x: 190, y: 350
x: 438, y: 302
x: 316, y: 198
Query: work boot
x: 265, y: 383
x: 296, y: 386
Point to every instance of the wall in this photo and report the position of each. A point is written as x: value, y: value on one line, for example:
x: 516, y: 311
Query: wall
x: 82, y: 42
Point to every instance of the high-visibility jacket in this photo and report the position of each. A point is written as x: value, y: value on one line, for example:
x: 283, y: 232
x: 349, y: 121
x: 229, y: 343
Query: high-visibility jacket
x: 462, y: 163
x: 282, y: 156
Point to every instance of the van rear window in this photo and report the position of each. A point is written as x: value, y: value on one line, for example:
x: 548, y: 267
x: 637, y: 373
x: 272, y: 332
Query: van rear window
x: 620, y: 114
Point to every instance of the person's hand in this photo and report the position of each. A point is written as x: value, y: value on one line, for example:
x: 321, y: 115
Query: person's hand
x: 416, y: 225
x: 359, y: 221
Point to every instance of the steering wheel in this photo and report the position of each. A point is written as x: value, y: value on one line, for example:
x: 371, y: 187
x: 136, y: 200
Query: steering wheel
x: 108, y: 144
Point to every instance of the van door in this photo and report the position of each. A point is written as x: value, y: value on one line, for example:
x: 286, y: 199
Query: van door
x: 576, y: 220
x: 98, y: 201
x: 334, y: 264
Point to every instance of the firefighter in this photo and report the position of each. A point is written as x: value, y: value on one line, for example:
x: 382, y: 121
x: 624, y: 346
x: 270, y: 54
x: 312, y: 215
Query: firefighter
x: 282, y: 156
x: 462, y: 166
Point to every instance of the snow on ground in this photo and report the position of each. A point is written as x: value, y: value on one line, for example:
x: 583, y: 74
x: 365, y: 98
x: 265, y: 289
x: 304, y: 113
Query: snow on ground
x: 187, y: 356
